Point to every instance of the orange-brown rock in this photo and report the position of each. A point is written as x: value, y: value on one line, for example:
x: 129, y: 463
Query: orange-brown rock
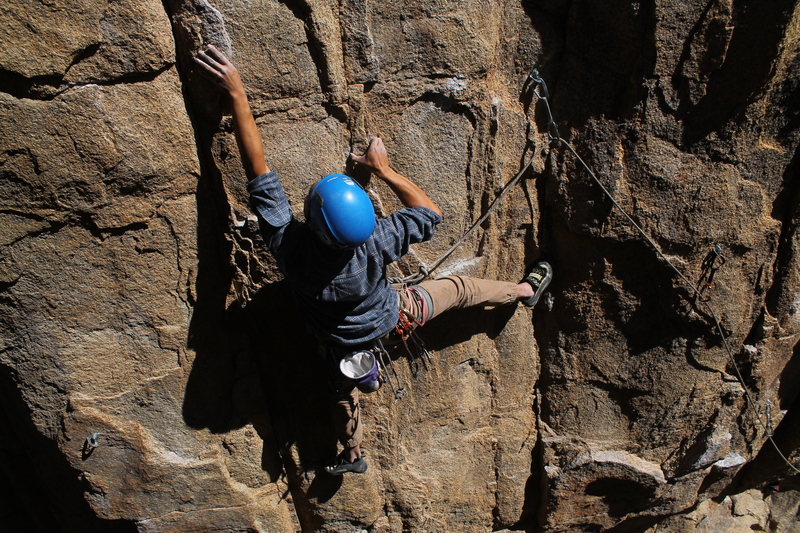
x: 153, y: 370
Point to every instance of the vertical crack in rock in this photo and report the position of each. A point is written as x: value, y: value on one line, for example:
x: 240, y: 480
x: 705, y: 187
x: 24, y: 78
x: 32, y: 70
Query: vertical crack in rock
x: 362, y: 65
x: 325, y: 44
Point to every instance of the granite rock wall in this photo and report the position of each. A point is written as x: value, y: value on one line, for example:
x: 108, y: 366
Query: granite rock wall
x: 154, y: 374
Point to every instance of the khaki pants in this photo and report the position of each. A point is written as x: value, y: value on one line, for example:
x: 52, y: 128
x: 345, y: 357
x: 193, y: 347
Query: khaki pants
x: 456, y: 292
x: 449, y: 292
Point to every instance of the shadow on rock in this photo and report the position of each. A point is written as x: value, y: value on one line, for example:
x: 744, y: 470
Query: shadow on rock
x: 212, y: 335
x: 292, y: 376
x: 260, y: 365
x: 460, y: 325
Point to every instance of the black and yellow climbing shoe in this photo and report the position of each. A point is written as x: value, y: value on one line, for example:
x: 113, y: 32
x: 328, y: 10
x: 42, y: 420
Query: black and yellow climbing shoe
x: 341, y: 466
x: 539, y: 278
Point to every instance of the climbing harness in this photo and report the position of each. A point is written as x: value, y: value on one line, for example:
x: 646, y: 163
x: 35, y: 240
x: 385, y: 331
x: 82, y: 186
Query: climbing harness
x: 712, y: 263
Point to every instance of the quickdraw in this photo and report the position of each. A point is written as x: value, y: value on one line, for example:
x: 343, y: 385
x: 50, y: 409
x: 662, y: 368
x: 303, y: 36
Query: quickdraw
x: 405, y: 325
x: 387, y: 369
x: 712, y: 262
x: 544, y: 97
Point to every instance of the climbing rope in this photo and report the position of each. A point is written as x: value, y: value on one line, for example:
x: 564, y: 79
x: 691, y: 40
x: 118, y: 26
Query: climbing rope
x: 711, y: 264
x: 424, y: 271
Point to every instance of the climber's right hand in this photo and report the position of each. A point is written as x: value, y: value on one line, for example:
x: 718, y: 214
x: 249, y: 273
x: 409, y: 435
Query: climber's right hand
x: 221, y: 71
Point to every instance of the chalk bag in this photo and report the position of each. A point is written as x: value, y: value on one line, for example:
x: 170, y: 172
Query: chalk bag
x: 362, y: 369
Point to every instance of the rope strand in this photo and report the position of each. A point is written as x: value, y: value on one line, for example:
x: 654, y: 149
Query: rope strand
x: 425, y: 271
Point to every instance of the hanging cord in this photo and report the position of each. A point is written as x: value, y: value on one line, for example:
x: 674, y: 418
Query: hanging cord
x: 552, y: 131
x: 424, y: 271
x: 713, y: 262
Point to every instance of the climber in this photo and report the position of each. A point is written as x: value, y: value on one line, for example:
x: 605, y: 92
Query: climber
x: 335, y: 261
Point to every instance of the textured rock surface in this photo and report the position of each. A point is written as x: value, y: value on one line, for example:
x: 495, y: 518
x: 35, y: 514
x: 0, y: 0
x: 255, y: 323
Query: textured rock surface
x: 138, y: 305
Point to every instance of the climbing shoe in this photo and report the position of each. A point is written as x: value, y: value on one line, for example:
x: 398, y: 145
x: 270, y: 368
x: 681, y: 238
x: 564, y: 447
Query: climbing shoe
x: 539, y: 278
x: 341, y: 466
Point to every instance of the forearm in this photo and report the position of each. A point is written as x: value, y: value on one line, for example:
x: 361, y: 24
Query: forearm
x: 248, y: 138
x: 216, y: 66
x: 408, y: 192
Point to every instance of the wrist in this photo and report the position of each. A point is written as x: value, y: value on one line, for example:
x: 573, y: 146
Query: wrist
x: 238, y: 95
x: 386, y: 173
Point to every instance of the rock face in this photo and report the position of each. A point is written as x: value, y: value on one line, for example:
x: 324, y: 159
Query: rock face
x: 154, y: 373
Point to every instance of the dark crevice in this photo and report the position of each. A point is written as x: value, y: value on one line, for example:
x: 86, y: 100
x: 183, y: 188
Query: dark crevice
x: 46, y: 88
x: 532, y: 517
x: 84, y: 54
x: 336, y: 111
x: 53, y: 228
x: 5, y: 285
x: 35, y: 88
x: 786, y: 209
x: 692, y: 361
x: 89, y: 225
x: 621, y: 496
x: 116, y: 232
x: 759, y: 32
x: 678, y: 81
x: 39, y: 490
x: 22, y: 214
x: 789, y: 378
x: 440, y: 76
x: 636, y: 524
x: 768, y: 466
x: 316, y: 47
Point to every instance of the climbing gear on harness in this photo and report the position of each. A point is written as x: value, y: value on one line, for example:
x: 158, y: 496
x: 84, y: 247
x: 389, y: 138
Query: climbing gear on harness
x: 343, y: 364
x: 386, y: 366
x: 553, y: 133
x: 413, y: 343
x: 712, y: 262
x: 350, y: 367
x: 341, y: 466
x: 341, y: 212
x: 407, y: 322
x: 539, y: 278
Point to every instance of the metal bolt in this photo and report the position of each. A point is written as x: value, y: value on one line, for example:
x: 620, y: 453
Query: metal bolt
x: 93, y: 440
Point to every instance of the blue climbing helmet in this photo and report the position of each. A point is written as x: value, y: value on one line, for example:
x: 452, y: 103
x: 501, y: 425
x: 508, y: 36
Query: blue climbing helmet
x: 340, y: 212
